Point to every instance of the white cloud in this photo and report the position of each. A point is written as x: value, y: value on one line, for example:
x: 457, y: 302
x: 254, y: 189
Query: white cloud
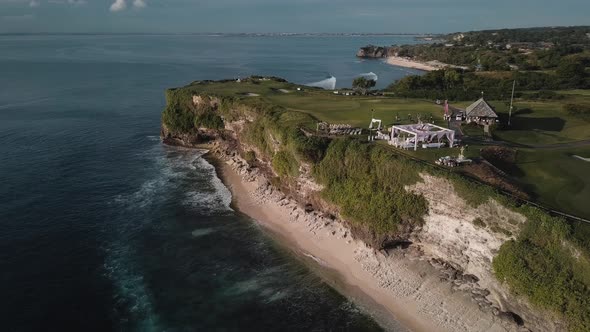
x: 139, y: 3
x: 34, y: 3
x: 118, y: 5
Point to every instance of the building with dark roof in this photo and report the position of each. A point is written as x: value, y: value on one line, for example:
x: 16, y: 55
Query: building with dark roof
x: 480, y: 112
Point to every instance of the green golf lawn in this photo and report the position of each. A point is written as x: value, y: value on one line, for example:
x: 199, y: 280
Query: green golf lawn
x: 552, y: 175
x: 557, y: 178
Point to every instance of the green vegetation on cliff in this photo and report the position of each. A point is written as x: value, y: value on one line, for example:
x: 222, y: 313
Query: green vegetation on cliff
x: 550, y: 266
x: 181, y: 115
x: 548, y: 262
x: 367, y: 182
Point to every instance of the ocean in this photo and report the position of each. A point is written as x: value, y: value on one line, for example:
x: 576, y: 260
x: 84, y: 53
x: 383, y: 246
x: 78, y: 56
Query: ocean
x: 103, y: 228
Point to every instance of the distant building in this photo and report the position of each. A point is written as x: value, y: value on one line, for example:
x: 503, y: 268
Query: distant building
x: 458, y: 37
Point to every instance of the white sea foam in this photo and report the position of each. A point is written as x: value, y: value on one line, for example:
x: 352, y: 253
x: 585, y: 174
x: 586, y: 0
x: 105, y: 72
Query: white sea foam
x: 173, y: 168
x: 132, y: 292
x: 180, y: 165
x: 24, y: 103
x: 327, y: 84
x: 218, y: 198
x: 317, y: 260
x: 370, y: 76
x: 202, y: 232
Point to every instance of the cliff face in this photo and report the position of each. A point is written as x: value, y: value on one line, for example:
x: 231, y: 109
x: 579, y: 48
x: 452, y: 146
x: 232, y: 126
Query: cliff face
x: 467, y: 238
x: 456, y: 238
x: 372, y: 51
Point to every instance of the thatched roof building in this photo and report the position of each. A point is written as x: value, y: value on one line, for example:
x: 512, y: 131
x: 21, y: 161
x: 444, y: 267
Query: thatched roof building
x: 480, y: 112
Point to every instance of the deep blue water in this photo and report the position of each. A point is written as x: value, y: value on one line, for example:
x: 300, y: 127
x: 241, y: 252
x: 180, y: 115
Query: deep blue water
x: 104, y: 228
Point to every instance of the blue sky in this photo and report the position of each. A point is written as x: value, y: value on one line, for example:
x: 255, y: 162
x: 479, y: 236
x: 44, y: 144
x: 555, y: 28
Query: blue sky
x: 197, y: 16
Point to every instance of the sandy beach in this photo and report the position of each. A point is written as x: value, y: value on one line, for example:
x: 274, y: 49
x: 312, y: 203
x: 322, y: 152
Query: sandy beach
x: 403, y: 62
x: 408, y: 288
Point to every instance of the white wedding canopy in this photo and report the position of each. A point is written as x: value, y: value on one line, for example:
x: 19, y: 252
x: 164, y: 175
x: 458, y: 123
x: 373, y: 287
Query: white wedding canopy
x: 412, y: 134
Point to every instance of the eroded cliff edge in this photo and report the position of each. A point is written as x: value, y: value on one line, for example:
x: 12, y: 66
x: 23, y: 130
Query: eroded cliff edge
x: 458, y: 235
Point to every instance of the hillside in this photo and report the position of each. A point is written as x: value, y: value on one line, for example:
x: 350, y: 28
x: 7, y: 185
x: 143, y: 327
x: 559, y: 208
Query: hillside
x: 492, y: 50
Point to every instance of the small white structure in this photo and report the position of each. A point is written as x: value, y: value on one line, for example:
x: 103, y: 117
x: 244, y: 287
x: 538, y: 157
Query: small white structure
x: 375, y: 121
x: 426, y: 134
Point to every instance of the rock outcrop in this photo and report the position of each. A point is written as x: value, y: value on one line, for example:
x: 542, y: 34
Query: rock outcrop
x: 372, y: 51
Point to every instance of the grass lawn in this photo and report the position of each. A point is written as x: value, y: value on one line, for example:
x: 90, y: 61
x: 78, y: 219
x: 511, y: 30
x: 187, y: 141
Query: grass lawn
x: 552, y: 175
x: 326, y: 106
x: 356, y: 110
x: 543, y: 122
x: 433, y: 154
x: 559, y: 180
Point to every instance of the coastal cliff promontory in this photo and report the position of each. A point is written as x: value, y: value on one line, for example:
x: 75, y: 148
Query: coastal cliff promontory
x: 372, y: 51
x: 464, y: 256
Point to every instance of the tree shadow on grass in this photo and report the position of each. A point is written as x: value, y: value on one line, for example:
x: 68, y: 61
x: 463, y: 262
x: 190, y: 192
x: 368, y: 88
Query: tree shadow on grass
x: 555, y: 124
x: 520, y: 122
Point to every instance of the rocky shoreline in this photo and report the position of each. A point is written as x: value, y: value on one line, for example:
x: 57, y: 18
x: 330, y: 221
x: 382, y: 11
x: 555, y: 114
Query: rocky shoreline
x: 430, y: 291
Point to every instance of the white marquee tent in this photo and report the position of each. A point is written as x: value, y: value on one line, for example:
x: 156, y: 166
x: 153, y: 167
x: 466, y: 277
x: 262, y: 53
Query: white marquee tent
x: 406, y: 136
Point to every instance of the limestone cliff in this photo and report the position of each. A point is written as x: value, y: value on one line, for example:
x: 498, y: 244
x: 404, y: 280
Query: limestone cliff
x: 372, y: 51
x: 459, y: 239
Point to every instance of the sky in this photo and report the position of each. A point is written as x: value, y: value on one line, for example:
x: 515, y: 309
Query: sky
x: 227, y: 16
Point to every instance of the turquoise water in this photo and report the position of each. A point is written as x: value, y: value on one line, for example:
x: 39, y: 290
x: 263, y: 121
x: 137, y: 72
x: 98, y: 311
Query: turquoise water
x: 104, y: 228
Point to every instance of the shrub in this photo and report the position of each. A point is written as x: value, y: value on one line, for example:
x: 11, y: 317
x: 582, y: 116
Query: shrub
x: 285, y: 164
x: 177, y: 120
x: 473, y: 193
x: 546, y: 95
x: 479, y: 223
x: 250, y: 156
x: 539, y: 264
x: 578, y: 110
x: 500, y: 230
x: 367, y: 183
x: 209, y: 120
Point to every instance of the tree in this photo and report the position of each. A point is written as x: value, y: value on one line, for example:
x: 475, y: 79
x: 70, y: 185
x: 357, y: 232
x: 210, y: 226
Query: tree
x: 572, y: 72
x: 362, y: 84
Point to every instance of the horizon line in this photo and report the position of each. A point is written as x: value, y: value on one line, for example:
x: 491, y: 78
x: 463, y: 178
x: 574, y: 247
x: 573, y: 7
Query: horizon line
x: 223, y: 33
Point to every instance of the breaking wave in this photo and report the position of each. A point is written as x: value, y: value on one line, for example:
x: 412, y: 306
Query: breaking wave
x: 327, y: 84
x: 370, y: 76
x: 218, y: 193
x: 173, y: 173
